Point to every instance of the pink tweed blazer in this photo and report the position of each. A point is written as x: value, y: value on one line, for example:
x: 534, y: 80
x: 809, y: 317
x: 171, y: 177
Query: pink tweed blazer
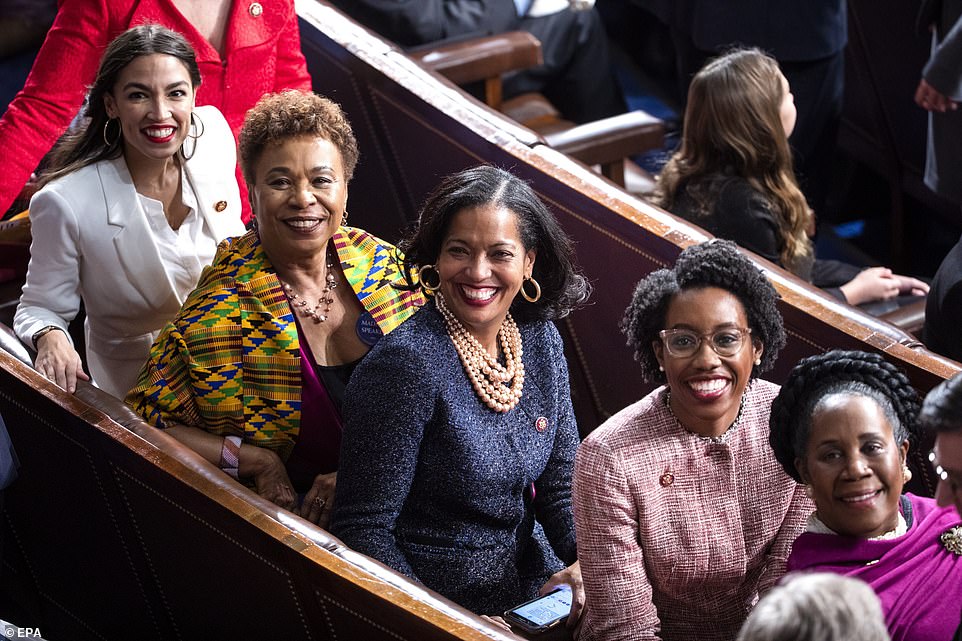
x: 678, y: 535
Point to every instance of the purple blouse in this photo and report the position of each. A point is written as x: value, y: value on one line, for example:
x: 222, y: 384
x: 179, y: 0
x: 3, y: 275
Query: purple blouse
x: 918, y: 579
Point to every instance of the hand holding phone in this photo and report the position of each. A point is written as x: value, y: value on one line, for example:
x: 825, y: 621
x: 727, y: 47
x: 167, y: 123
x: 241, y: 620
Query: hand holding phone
x: 542, y: 613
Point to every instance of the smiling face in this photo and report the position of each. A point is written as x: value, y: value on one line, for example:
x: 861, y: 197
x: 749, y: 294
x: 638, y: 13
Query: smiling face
x: 153, y: 98
x: 706, y: 389
x: 482, y: 265
x: 298, y: 197
x: 854, y: 466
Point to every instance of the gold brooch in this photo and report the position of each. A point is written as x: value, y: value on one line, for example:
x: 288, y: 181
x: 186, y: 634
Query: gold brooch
x: 952, y: 540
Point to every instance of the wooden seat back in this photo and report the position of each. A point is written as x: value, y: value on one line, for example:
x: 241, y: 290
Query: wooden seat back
x: 114, y: 530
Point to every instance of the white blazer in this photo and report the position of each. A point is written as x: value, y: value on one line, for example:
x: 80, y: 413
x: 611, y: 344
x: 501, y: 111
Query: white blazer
x: 91, y: 242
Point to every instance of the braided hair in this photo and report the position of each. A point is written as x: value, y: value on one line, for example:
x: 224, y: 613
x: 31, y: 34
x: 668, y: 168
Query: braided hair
x: 942, y: 408
x: 838, y: 372
x: 716, y: 263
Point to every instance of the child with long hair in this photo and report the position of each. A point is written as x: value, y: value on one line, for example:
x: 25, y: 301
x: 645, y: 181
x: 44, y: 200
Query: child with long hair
x: 733, y: 176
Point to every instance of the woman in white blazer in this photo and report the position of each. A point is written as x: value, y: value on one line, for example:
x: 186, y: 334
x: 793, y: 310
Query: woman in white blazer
x: 131, y: 211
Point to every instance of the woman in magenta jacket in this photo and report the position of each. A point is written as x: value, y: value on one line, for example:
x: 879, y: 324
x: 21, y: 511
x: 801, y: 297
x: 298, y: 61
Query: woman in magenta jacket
x: 245, y: 48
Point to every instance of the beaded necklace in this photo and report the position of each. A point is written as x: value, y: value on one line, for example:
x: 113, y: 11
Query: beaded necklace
x: 327, y: 297
x: 489, y: 378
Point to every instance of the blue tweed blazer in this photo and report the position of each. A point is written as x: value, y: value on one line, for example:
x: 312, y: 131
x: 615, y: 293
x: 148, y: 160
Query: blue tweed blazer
x: 474, y: 504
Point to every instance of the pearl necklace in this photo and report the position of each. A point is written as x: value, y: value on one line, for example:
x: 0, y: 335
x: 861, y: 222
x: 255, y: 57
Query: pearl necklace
x: 330, y: 282
x: 488, y: 377
x: 721, y: 438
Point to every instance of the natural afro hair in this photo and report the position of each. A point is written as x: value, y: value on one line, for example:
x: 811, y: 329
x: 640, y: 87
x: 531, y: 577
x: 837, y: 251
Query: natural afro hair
x: 838, y: 372
x: 279, y: 117
x: 716, y: 263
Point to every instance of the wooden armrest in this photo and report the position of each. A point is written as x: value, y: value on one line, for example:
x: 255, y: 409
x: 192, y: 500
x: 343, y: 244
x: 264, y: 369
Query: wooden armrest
x: 909, y: 318
x: 611, y: 139
x: 480, y: 58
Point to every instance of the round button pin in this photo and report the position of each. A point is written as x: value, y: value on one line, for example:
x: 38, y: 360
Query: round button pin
x: 666, y: 479
x: 256, y: 9
x: 220, y: 205
x: 541, y: 424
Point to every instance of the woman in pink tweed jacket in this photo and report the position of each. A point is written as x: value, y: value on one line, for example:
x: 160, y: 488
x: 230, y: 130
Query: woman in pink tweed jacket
x: 683, y: 515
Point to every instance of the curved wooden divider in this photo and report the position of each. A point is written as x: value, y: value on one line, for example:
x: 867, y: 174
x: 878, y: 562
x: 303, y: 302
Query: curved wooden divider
x: 114, y: 530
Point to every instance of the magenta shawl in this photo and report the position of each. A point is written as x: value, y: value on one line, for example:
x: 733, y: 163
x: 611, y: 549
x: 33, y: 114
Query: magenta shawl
x: 917, y: 579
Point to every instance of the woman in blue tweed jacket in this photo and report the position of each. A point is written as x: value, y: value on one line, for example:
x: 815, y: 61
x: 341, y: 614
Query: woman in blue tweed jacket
x: 459, y: 473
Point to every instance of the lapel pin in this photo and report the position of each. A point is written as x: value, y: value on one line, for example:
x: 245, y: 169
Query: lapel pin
x: 541, y: 424
x: 220, y: 205
x: 256, y: 9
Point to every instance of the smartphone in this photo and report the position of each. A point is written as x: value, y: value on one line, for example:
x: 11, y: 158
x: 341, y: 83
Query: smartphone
x: 542, y: 613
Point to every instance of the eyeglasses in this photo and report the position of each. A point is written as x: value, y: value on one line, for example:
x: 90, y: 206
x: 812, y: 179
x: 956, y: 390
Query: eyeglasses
x: 944, y: 475
x: 683, y: 343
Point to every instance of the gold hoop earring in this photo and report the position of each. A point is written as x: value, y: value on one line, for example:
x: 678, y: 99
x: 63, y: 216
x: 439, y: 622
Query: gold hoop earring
x: 424, y: 283
x: 906, y: 474
x: 531, y: 298
x: 119, y: 132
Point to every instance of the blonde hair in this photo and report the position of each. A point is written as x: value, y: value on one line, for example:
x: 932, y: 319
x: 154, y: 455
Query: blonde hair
x: 733, y: 127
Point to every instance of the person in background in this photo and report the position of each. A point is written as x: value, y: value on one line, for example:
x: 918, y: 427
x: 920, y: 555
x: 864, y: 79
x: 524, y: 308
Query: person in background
x: 842, y: 424
x: 942, y: 413
x: 817, y: 607
x: 131, y: 210
x: 576, y: 75
x: 459, y: 474
x: 251, y: 372
x: 807, y: 38
x: 939, y: 93
x: 732, y: 175
x: 682, y: 512
x: 243, y: 50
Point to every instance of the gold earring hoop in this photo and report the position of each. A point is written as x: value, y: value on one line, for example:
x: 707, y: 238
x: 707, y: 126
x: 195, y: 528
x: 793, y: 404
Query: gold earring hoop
x: 531, y: 298
x: 424, y: 283
x: 119, y: 132
x: 906, y: 474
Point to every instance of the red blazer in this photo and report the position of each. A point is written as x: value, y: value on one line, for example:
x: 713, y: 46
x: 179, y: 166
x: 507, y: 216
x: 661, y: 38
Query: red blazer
x: 262, y: 54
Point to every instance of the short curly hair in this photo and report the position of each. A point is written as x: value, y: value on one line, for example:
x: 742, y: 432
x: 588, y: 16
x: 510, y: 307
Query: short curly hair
x: 838, y: 372
x: 716, y: 263
x: 278, y: 117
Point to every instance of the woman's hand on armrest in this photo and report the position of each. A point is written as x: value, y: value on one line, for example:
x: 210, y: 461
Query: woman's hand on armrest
x: 58, y: 361
x: 909, y: 286
x: 259, y: 463
x: 318, y: 503
x: 874, y: 283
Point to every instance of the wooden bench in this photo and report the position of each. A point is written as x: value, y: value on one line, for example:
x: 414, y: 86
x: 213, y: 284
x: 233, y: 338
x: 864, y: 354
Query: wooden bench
x: 114, y: 530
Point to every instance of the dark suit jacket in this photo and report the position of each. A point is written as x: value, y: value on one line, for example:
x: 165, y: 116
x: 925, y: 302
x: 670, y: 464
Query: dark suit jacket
x: 943, y: 307
x: 414, y: 22
x: 791, y: 30
x: 473, y: 503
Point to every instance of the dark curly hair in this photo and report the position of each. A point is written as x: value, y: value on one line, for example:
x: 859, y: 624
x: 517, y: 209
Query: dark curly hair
x: 278, y: 117
x: 942, y: 408
x: 838, y: 372
x: 716, y: 263
x: 563, y: 287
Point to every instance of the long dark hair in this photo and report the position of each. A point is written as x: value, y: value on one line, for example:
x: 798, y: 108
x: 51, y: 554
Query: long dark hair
x: 86, y: 145
x: 563, y: 287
